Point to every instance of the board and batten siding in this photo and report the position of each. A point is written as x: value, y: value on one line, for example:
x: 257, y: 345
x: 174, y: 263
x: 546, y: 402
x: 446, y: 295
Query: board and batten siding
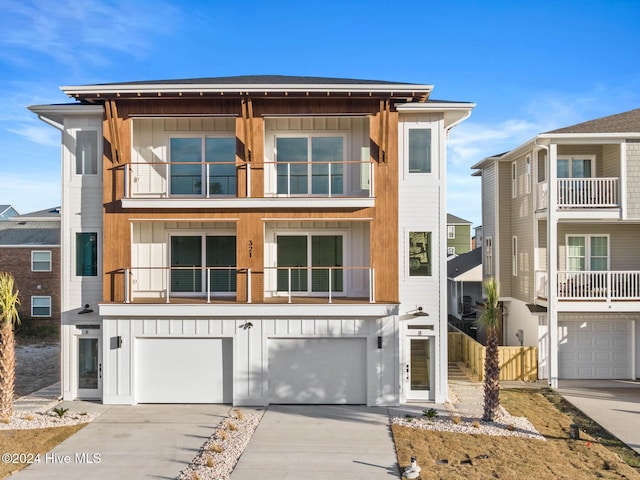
x: 250, y: 351
x: 633, y: 179
x: 623, y: 243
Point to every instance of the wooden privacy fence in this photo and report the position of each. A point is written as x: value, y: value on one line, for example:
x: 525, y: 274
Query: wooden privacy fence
x: 516, y: 363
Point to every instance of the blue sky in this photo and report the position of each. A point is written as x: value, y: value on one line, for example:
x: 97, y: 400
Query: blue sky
x: 529, y: 66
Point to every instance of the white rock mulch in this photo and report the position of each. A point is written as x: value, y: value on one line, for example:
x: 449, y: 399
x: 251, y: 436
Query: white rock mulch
x: 219, y: 455
x: 31, y: 420
x: 503, y: 425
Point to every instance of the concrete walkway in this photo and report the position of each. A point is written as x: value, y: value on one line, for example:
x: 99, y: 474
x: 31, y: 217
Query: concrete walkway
x: 130, y: 441
x: 320, y: 442
x: 39, y: 401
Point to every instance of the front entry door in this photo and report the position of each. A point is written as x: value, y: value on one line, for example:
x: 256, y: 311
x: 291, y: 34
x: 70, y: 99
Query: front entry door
x: 89, y: 366
x: 418, y: 368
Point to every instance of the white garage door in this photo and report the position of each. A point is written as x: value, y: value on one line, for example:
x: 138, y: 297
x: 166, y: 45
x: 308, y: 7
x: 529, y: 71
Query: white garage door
x: 318, y: 370
x: 183, y: 370
x: 594, y: 349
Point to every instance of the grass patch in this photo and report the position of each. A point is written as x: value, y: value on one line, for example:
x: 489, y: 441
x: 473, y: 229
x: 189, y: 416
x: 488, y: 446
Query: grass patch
x: 475, y: 456
x: 32, y: 442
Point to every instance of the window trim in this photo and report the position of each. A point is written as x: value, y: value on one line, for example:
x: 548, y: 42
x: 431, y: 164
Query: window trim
x: 50, y: 261
x: 514, y: 256
x: 98, y: 152
x: 34, y: 297
x: 419, y: 126
x: 590, y: 157
x: 528, y: 174
x: 451, y: 251
x: 451, y: 232
x: 587, y: 250
x: 98, y: 235
x: 488, y: 254
x: 514, y: 179
x: 432, y: 264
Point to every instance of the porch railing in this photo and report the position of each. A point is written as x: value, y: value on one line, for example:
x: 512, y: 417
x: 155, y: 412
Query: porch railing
x: 592, y: 285
x: 323, y: 282
x: 583, y: 193
x: 183, y: 179
x: 319, y: 179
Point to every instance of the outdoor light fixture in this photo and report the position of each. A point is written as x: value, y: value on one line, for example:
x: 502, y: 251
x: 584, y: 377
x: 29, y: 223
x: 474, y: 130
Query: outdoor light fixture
x: 246, y: 326
x: 86, y: 309
x: 379, y: 342
x: 420, y: 313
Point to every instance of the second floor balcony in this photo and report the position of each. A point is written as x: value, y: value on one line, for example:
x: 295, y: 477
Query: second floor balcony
x: 608, y: 286
x: 225, y: 184
x: 582, y: 193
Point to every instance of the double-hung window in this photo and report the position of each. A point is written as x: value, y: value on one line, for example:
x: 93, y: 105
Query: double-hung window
x: 203, y: 166
x: 304, y: 262
x: 41, y: 306
x: 41, y: 261
x: 192, y: 256
x: 451, y: 231
x: 587, y: 253
x: 310, y: 165
x: 488, y: 256
x: 514, y: 256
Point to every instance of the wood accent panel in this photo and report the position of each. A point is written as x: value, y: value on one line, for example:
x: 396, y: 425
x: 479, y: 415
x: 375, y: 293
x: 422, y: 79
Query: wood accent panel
x: 384, y: 227
x: 250, y: 254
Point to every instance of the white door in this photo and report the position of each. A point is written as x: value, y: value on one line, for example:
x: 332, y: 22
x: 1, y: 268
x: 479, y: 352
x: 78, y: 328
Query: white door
x: 183, y: 370
x: 598, y: 349
x: 89, y: 365
x: 318, y: 370
x: 419, y: 368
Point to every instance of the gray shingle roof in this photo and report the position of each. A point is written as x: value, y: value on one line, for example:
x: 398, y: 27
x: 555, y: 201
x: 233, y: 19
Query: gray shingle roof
x: 34, y: 232
x: 619, y: 123
x: 259, y: 80
x: 463, y: 263
x: 451, y: 219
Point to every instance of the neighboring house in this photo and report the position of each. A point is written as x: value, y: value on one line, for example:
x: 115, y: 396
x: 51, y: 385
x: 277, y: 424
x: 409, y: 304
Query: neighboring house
x: 458, y: 235
x: 254, y: 240
x: 476, y: 240
x: 464, y: 284
x: 560, y: 221
x: 7, y: 212
x: 30, y: 251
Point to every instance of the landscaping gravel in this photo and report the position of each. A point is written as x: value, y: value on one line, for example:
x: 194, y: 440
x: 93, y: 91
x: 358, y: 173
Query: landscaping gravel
x: 503, y: 425
x: 31, y: 420
x: 219, y: 455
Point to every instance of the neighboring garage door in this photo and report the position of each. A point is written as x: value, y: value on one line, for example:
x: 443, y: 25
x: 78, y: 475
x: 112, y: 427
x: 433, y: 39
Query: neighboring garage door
x: 318, y: 370
x: 183, y: 370
x: 594, y: 349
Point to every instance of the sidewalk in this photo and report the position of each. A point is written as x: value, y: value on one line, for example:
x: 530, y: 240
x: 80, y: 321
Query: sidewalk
x: 39, y: 401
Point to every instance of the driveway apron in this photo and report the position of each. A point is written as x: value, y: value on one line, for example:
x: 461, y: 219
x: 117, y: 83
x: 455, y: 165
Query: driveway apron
x: 320, y: 442
x: 139, y: 441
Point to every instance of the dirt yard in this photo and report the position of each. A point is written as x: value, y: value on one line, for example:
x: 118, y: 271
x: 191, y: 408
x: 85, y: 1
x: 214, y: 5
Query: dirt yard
x: 37, y: 365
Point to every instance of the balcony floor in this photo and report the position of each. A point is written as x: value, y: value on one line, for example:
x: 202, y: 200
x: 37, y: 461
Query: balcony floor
x: 296, y: 300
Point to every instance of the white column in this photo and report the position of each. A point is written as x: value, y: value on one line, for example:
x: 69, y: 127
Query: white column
x: 552, y: 264
x: 622, y: 194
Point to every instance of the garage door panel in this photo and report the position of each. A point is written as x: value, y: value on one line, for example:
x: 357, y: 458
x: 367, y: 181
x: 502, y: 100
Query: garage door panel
x: 317, y: 371
x: 184, y: 370
x: 594, y: 349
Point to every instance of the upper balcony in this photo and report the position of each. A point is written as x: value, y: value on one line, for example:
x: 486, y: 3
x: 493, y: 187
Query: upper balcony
x: 583, y: 195
x: 217, y: 184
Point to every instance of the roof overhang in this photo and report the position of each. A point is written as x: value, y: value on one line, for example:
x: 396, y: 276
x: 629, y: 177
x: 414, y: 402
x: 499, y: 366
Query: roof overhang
x: 54, y: 114
x: 454, y: 112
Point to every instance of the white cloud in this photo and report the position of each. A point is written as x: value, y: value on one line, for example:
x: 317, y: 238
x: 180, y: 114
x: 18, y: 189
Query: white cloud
x: 43, y: 135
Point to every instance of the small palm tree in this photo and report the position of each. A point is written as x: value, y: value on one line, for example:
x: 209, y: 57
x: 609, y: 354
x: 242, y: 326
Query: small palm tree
x: 490, y: 320
x: 9, y: 318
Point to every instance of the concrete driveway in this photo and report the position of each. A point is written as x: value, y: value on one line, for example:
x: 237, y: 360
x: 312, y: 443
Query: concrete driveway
x: 614, y: 404
x: 319, y: 442
x: 139, y: 441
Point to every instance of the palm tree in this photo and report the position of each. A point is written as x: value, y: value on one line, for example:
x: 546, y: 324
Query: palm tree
x: 490, y: 320
x: 9, y: 318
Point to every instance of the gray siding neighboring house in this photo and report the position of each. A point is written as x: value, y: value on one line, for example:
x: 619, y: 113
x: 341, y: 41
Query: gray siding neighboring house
x: 571, y: 278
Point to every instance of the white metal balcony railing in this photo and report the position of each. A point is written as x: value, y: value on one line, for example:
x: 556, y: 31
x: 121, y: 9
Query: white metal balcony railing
x: 592, y: 285
x: 582, y: 193
x: 215, y: 180
x: 165, y: 283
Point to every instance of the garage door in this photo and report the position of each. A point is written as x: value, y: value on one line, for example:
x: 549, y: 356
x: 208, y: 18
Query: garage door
x: 594, y: 349
x: 183, y: 370
x: 318, y: 370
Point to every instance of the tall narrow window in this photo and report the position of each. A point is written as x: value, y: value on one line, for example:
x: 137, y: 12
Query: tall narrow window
x: 86, y: 152
x: 420, y: 254
x: 451, y: 231
x: 514, y: 256
x: 86, y: 254
x: 221, y: 253
x: 420, y: 150
x: 528, y: 174
x: 221, y: 156
x: 488, y: 256
x: 514, y: 180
